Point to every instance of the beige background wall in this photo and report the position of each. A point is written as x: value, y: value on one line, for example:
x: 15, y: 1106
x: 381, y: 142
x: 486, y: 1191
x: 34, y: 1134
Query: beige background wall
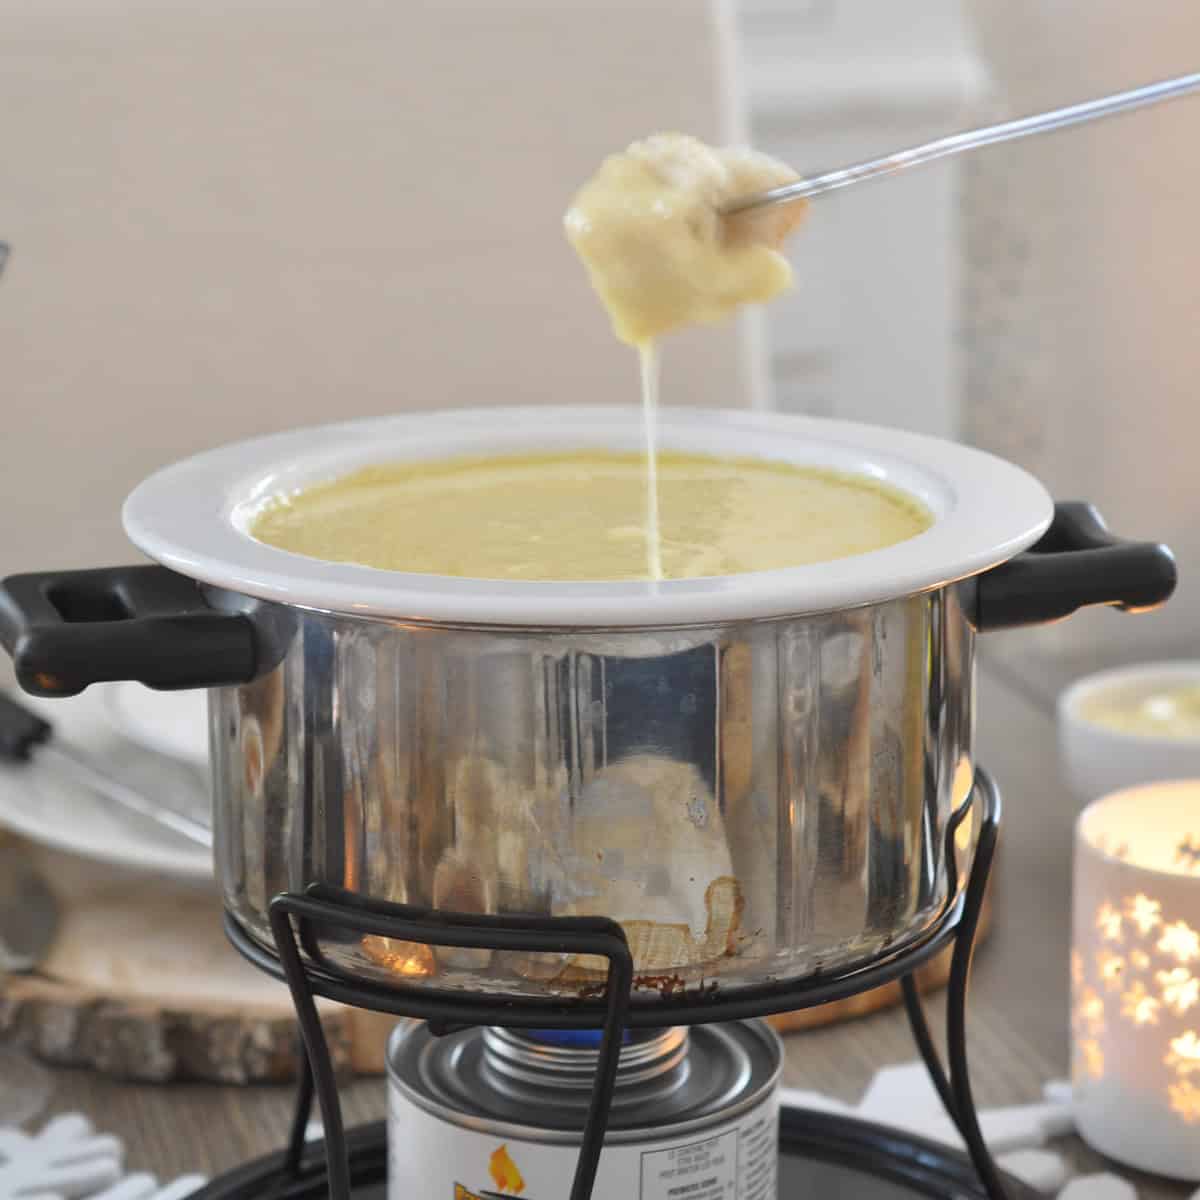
x: 234, y: 216
x: 1083, y: 311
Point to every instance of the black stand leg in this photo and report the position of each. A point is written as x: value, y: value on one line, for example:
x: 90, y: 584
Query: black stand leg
x: 319, y: 1072
x: 955, y: 1090
x: 620, y: 984
x: 956, y: 996
x: 300, y: 1117
x: 294, y: 922
x: 925, y: 1046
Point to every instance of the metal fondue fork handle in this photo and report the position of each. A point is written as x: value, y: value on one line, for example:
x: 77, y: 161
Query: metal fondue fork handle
x: 1058, y: 118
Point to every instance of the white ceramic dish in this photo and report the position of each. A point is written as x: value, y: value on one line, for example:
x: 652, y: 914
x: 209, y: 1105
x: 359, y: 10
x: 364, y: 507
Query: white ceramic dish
x: 193, y: 516
x: 1097, y: 759
x: 171, y: 723
x: 48, y: 808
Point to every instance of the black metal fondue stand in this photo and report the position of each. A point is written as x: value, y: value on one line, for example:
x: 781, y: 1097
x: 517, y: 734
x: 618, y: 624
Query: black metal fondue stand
x: 301, y: 922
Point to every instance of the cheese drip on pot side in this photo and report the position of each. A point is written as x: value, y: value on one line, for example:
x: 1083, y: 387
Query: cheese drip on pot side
x: 649, y: 229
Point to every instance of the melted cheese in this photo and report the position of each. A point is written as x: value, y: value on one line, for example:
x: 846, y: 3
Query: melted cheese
x: 1166, y: 712
x: 577, y: 516
x: 649, y: 230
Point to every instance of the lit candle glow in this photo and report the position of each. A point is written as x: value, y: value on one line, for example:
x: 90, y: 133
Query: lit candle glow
x: 1135, y: 977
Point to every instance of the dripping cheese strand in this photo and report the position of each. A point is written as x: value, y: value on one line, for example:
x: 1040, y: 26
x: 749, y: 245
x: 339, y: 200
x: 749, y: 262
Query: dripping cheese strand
x: 649, y: 229
x: 649, y: 361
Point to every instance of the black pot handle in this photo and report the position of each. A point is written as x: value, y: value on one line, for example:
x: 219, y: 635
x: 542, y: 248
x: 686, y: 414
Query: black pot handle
x: 68, y: 629
x: 1076, y: 562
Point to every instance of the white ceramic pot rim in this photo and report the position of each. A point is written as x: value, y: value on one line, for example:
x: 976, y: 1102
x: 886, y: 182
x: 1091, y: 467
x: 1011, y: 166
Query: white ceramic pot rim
x: 193, y: 516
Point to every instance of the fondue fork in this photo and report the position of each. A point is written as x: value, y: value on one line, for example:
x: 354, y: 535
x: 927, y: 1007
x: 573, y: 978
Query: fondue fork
x: 955, y: 143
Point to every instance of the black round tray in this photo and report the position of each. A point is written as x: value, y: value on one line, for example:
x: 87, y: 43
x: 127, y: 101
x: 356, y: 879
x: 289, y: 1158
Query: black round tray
x: 833, y: 1157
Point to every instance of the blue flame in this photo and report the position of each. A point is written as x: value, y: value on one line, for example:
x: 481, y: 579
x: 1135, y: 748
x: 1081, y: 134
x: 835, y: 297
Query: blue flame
x: 578, y: 1038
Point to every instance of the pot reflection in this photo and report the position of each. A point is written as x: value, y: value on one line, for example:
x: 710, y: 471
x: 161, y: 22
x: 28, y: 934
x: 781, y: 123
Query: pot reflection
x: 757, y: 801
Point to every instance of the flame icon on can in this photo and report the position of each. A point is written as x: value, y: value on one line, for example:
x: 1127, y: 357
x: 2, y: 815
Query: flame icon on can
x: 504, y: 1172
x: 505, y: 1176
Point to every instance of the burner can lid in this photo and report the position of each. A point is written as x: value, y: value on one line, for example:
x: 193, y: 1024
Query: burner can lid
x: 537, y: 1085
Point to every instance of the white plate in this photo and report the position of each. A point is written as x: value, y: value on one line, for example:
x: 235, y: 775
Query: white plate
x: 170, y: 723
x: 49, y: 808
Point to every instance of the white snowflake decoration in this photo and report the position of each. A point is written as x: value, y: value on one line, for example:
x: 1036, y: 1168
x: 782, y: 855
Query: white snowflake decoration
x: 68, y: 1160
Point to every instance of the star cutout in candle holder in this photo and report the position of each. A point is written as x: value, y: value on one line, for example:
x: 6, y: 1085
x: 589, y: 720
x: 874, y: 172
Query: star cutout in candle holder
x: 1091, y: 1060
x: 1180, y: 989
x: 1111, y: 967
x: 1108, y: 921
x: 1187, y: 854
x: 1184, y: 1054
x: 1090, y: 1012
x: 1139, y: 1006
x: 1145, y: 913
x: 1185, y: 1100
x: 1180, y: 941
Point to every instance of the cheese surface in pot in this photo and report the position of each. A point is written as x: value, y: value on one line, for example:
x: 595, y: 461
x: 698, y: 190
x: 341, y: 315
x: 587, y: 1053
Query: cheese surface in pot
x: 579, y: 516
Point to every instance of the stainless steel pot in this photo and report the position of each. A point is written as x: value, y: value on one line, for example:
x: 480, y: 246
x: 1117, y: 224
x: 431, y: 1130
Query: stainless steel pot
x: 763, y: 800
x: 754, y: 798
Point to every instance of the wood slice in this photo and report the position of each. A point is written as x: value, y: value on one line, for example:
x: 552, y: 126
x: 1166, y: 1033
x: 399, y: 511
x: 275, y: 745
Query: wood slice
x: 140, y: 983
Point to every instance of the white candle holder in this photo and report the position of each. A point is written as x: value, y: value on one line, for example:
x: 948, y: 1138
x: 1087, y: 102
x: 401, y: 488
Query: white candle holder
x: 1135, y: 977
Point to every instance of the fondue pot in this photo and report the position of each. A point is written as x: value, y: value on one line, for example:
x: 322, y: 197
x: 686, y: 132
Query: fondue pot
x: 754, y: 774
